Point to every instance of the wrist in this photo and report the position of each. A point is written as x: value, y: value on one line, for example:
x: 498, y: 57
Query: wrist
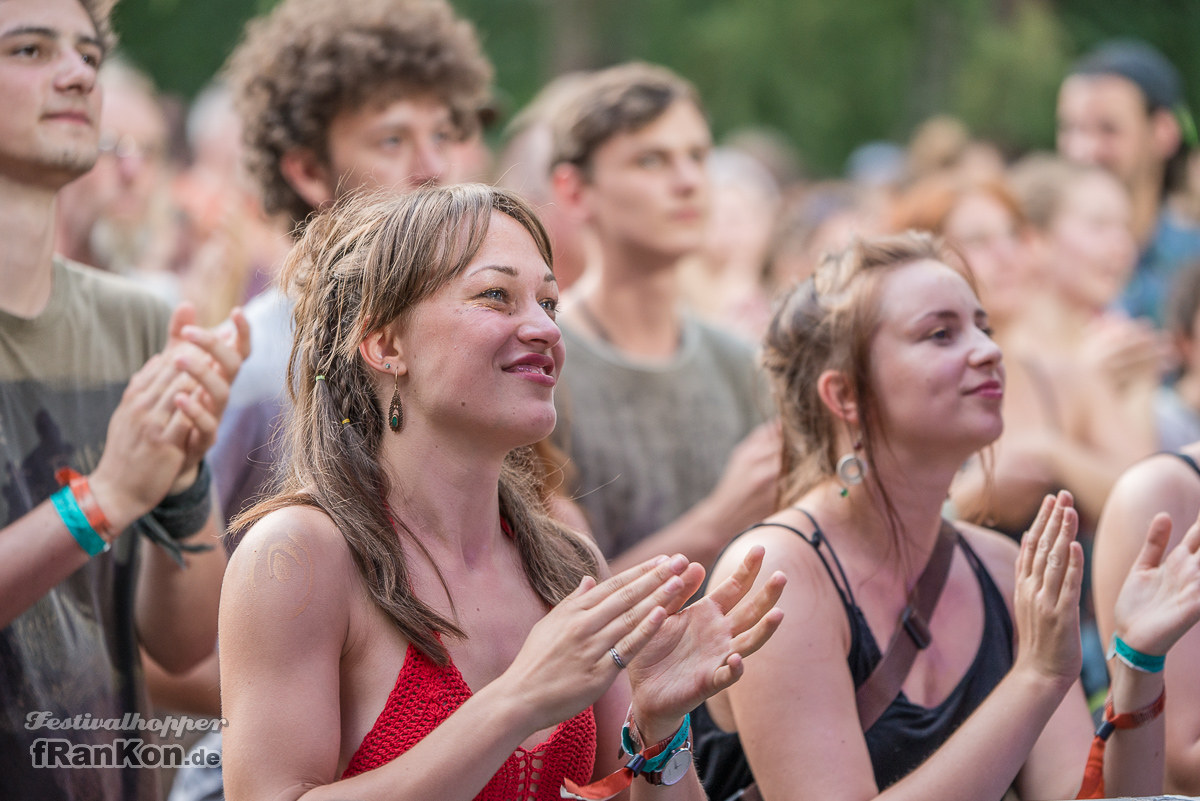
x: 184, y: 480
x: 1047, y: 686
x: 651, y: 727
x: 1135, y: 649
x: 120, y: 509
x: 1144, y: 659
x: 1131, y: 687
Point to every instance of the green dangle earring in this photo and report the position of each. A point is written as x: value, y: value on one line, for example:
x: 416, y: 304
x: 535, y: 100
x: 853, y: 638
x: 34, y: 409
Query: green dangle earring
x: 395, y: 410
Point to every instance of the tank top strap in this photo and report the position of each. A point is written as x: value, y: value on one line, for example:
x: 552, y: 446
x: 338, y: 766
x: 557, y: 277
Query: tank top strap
x: 820, y: 543
x: 1183, y: 457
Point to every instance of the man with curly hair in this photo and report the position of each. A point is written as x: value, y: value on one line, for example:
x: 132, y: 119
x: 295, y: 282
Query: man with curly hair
x: 336, y: 99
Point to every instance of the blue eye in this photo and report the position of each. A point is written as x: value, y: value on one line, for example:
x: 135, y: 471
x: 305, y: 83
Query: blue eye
x: 550, y: 305
x: 494, y: 294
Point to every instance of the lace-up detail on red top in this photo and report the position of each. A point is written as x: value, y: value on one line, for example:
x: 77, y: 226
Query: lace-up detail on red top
x: 425, y: 695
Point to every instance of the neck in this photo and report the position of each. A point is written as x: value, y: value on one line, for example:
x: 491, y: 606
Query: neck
x: 26, y: 260
x: 1145, y: 196
x: 443, y: 490
x: 917, y: 490
x: 633, y: 304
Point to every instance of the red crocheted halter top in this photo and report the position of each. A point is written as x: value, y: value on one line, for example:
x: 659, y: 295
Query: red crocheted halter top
x: 425, y: 695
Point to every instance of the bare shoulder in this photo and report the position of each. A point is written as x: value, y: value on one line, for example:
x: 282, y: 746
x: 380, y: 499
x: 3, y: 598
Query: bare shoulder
x: 1160, y: 483
x: 786, y: 539
x: 292, y: 563
x: 1155, y: 479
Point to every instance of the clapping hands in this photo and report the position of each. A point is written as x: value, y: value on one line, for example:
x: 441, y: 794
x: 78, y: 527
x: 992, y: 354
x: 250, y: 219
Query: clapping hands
x: 1160, y: 599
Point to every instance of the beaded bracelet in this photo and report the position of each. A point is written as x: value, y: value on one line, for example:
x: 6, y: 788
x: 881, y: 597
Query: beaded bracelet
x: 1146, y: 663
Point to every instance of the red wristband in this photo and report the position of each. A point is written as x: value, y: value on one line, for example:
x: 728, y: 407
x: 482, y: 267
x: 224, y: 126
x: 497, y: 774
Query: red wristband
x: 87, y: 502
x: 1093, y: 774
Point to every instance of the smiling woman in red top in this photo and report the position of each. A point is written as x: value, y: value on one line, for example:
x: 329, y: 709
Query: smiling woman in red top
x: 404, y: 620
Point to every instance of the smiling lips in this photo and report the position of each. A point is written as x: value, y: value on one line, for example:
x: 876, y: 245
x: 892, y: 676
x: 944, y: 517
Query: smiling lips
x: 537, y: 367
x: 988, y: 389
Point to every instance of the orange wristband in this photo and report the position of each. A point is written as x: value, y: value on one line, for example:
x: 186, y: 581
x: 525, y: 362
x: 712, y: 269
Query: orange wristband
x: 87, y: 502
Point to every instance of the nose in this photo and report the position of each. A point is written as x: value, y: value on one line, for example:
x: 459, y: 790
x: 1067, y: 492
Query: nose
x: 75, y: 73
x: 984, y: 350
x: 429, y: 162
x: 691, y: 175
x: 538, y: 327
x: 1081, y: 146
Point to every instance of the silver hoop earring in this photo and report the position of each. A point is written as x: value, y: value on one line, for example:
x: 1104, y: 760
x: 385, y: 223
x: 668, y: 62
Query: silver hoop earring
x: 851, y: 470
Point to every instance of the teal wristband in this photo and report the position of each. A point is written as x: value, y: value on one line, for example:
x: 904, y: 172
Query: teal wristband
x: 68, y: 509
x: 1146, y: 663
x: 655, y: 764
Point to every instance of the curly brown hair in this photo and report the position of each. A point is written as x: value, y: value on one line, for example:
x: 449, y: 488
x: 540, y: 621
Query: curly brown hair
x: 301, y: 65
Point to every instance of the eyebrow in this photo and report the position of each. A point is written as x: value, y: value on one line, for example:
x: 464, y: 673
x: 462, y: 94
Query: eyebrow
x: 979, y: 317
x: 50, y: 33
x: 507, y: 270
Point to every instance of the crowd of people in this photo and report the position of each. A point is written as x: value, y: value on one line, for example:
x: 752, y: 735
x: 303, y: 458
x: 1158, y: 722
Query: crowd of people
x: 612, y: 462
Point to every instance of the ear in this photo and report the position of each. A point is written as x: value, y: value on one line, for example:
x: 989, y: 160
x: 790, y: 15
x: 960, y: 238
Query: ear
x: 1166, y: 133
x: 382, y: 350
x: 308, y: 175
x: 834, y: 390
x: 570, y: 188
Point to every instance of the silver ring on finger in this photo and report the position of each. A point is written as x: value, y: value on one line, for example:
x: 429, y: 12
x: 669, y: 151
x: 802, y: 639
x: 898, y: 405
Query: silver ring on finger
x: 616, y: 657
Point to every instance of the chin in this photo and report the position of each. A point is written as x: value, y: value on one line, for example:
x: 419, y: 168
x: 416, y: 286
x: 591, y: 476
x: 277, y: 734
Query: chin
x: 534, y: 430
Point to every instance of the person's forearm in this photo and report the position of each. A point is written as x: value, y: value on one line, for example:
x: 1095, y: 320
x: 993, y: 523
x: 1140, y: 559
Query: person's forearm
x: 1088, y: 474
x: 699, y: 534
x: 995, y: 741
x: 176, y: 607
x: 36, y: 553
x: 1134, y: 758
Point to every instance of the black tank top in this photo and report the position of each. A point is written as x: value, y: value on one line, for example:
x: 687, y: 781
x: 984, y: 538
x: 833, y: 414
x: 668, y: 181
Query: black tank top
x: 905, y: 734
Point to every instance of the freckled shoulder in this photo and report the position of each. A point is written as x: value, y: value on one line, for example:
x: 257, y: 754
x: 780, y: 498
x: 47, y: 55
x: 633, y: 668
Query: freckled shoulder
x: 289, y: 562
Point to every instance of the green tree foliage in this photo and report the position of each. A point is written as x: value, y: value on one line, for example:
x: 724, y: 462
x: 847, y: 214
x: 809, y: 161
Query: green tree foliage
x: 829, y: 76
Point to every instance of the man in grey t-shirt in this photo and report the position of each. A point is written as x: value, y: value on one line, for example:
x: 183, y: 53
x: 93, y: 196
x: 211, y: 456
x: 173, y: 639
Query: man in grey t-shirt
x: 660, y: 413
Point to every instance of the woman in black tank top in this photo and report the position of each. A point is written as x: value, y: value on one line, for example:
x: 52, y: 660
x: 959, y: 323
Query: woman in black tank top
x: 887, y: 380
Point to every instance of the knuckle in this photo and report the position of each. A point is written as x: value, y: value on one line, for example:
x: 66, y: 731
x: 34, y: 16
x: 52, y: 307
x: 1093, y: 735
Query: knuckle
x: 631, y: 618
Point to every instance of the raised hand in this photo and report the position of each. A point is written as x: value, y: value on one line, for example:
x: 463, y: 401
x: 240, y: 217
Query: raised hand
x: 146, y: 443
x: 212, y: 357
x: 168, y: 416
x: 566, y: 662
x: 1160, y: 599
x: 699, y: 650
x: 1046, y: 600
